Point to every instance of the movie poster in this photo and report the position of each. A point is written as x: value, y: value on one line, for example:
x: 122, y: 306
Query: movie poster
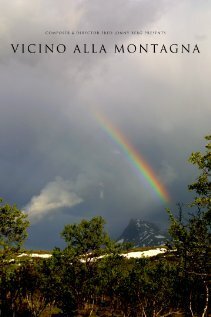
x: 102, y: 103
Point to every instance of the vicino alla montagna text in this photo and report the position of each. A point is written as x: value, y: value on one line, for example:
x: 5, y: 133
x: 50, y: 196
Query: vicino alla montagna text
x: 93, y: 48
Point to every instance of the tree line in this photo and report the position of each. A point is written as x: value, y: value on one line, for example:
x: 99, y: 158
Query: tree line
x: 90, y: 277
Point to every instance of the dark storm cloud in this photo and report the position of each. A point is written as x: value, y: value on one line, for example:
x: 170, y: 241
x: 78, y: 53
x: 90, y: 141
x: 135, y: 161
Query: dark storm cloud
x: 49, y: 139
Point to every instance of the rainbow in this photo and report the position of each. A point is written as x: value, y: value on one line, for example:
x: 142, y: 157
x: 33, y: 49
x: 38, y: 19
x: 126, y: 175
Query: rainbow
x: 134, y: 157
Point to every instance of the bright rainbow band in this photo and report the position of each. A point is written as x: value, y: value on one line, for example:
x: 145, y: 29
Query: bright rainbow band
x: 133, y: 156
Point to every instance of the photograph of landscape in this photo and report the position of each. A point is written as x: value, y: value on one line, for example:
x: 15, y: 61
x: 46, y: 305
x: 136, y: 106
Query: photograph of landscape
x: 105, y: 158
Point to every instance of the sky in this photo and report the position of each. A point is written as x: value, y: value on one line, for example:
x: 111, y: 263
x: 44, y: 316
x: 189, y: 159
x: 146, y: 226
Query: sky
x: 57, y: 162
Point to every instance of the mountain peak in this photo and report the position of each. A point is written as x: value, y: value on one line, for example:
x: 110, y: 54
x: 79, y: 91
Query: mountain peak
x: 142, y: 233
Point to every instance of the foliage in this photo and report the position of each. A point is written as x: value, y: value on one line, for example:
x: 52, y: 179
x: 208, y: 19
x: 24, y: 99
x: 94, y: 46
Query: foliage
x: 87, y: 239
x: 202, y: 186
x: 13, y: 225
x: 192, y: 238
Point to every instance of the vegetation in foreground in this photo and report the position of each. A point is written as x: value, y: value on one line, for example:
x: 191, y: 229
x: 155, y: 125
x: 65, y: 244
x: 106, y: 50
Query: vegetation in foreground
x: 74, y: 283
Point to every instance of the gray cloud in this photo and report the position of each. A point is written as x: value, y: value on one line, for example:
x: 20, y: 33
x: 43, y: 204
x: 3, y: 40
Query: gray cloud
x: 47, y: 103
